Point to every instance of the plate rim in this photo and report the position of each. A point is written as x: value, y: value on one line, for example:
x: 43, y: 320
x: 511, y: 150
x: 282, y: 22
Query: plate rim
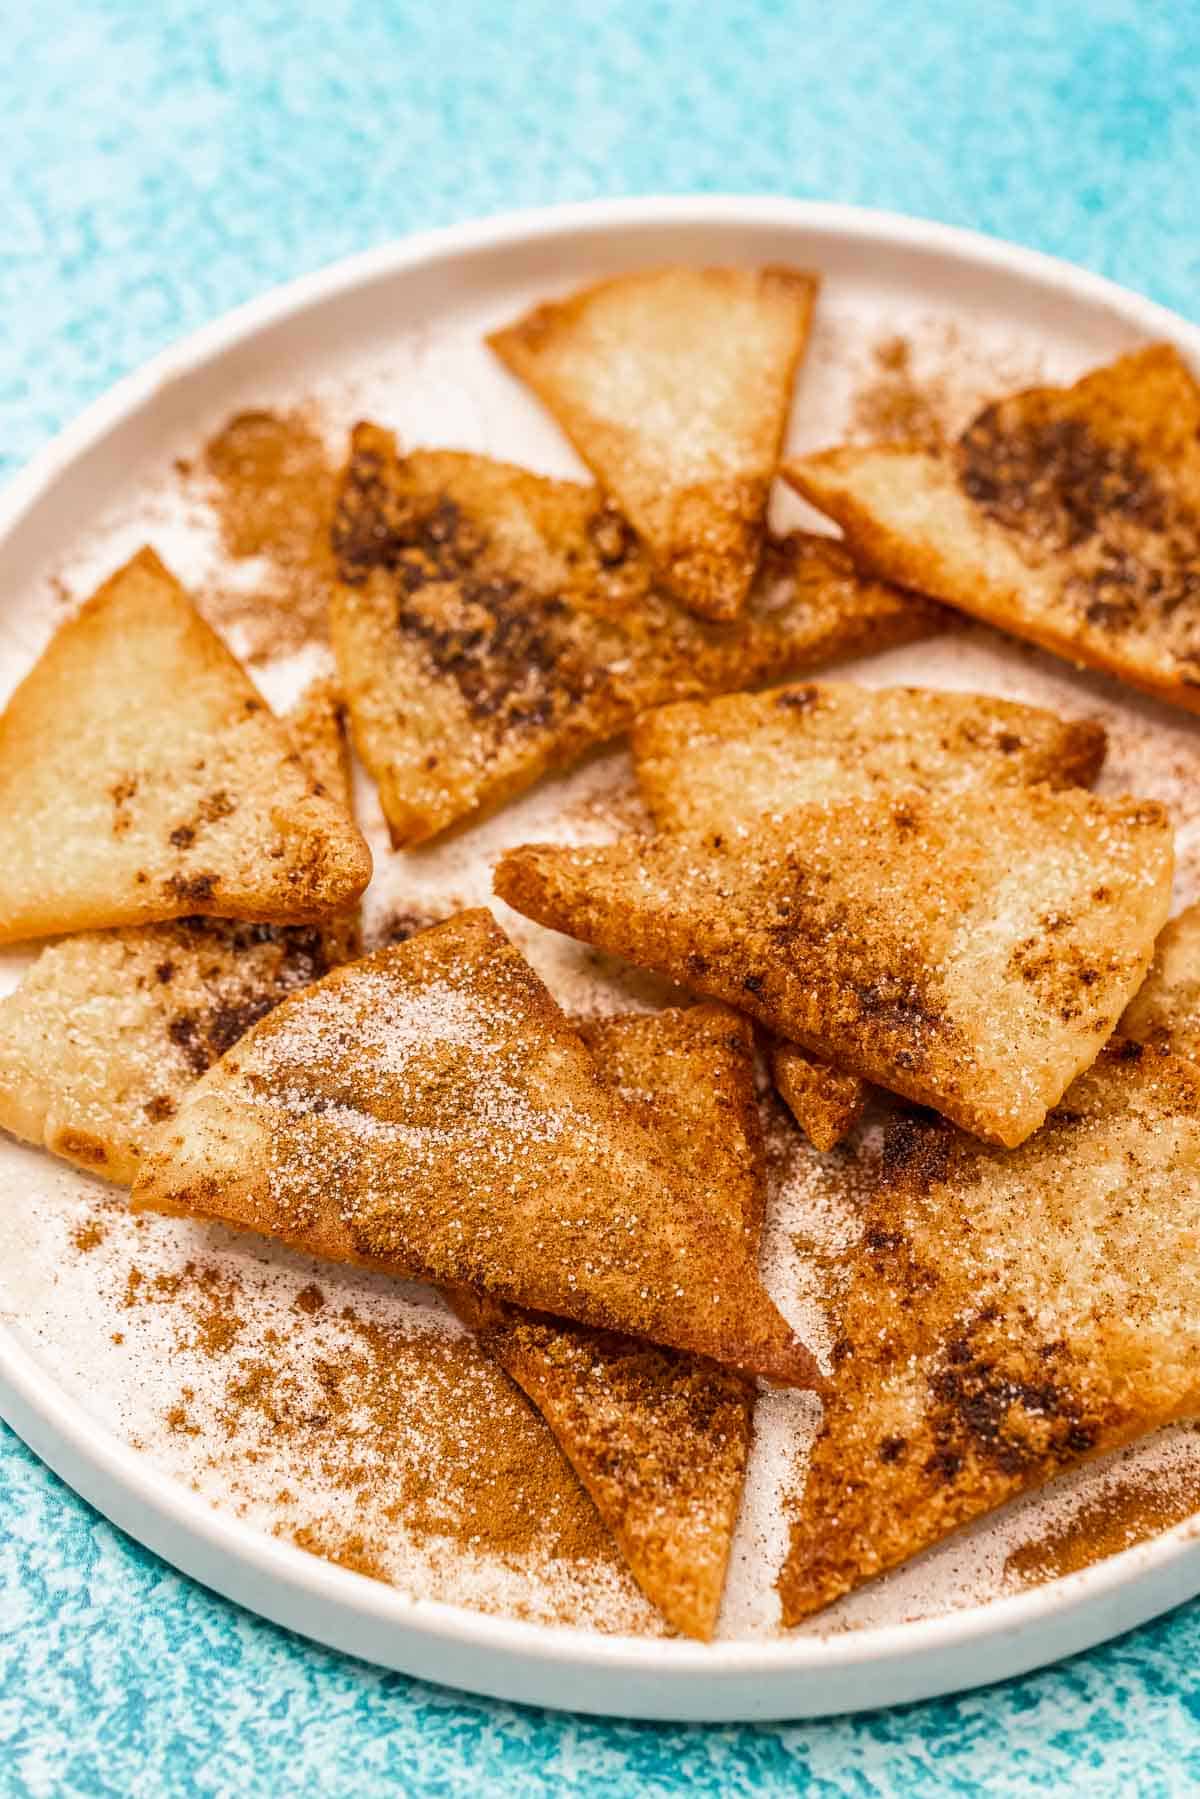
x: 162, y: 1513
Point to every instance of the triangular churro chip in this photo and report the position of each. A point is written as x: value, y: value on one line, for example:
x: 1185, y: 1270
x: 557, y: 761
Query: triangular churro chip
x: 109, y: 1029
x: 490, y: 624
x: 429, y: 1112
x: 1165, y: 1012
x: 713, y: 765
x: 142, y: 778
x: 1002, y: 1316
x: 1070, y: 516
x: 675, y: 388
x: 318, y: 726
x: 970, y: 952
x: 825, y: 1102
x: 659, y: 1439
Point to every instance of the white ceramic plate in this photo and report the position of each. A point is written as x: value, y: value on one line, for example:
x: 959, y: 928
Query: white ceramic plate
x: 396, y: 332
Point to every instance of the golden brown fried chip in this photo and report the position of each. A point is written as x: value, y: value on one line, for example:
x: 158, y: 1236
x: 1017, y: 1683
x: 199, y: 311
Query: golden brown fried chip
x: 429, y: 1112
x: 675, y: 388
x: 143, y: 778
x: 970, y: 952
x: 713, y: 765
x: 490, y: 624
x: 659, y: 1439
x: 825, y: 1101
x: 1070, y: 516
x: 109, y: 1029
x: 1165, y: 1012
x: 1002, y: 1316
x: 317, y: 725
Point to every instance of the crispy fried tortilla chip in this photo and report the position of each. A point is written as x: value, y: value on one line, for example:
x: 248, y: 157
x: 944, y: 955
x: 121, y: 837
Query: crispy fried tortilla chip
x: 971, y: 952
x: 109, y: 1029
x: 1070, y: 516
x: 675, y: 388
x: 1165, y: 1012
x: 429, y: 1112
x: 143, y: 778
x: 825, y: 1102
x: 490, y: 624
x: 713, y: 765
x: 659, y: 1439
x: 716, y: 765
x: 1001, y: 1316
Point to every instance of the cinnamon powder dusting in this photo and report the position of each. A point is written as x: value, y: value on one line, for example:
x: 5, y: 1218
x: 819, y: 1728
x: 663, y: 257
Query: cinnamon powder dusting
x: 894, y: 407
x: 88, y: 1236
x: 1131, y: 1509
x: 270, y: 479
x: 921, y: 389
x: 359, y: 1433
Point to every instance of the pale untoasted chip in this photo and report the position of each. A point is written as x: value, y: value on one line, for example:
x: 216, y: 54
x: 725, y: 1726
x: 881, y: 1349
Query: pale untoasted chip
x: 1165, y: 1011
x: 1001, y: 1316
x: 659, y: 1439
x: 826, y: 1102
x: 429, y: 1112
x: 970, y: 952
x: 109, y: 1029
x: 675, y: 388
x: 143, y: 778
x: 1070, y: 516
x: 490, y: 624
x: 713, y: 765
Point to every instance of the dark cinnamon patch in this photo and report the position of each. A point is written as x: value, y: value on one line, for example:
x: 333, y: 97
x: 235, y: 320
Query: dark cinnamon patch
x: 227, y: 1021
x: 1009, y: 1409
x: 1048, y: 477
x: 215, y: 806
x: 121, y: 793
x: 506, y: 646
x: 904, y: 1010
x: 241, y: 996
x: 192, y: 890
x: 916, y: 1148
x: 183, y: 1034
x: 1062, y: 976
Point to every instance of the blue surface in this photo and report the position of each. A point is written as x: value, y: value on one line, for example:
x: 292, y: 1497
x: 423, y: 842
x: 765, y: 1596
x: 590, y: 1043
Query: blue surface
x: 162, y: 162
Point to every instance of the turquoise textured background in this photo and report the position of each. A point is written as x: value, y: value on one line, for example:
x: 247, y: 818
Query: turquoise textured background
x: 161, y: 162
